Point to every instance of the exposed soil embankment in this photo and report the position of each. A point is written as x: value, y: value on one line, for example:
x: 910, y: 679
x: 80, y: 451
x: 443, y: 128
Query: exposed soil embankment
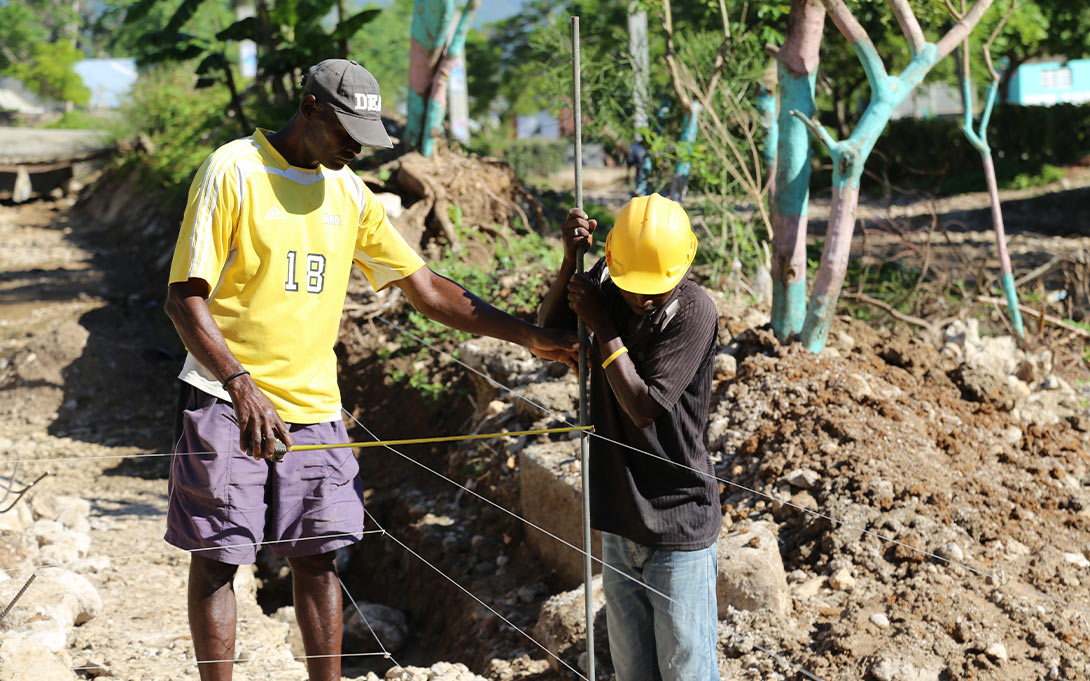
x: 952, y: 482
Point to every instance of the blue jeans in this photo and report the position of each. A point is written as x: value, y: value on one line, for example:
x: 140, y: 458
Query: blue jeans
x: 652, y: 638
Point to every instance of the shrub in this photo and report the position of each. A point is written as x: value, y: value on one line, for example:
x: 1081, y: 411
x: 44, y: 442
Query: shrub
x: 1027, y: 142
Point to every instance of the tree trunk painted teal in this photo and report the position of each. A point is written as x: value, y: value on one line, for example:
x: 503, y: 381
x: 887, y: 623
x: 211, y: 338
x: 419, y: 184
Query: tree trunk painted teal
x: 850, y: 155
x: 680, y: 184
x: 979, y: 139
x: 766, y: 107
x: 437, y: 100
x: 428, y: 38
x: 796, y: 64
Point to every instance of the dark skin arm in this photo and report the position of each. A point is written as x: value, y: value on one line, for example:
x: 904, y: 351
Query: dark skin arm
x: 257, y: 418
x: 583, y: 297
x: 445, y: 301
x: 578, y: 232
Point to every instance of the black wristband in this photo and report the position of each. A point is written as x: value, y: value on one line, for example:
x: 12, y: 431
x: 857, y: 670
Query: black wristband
x: 233, y: 377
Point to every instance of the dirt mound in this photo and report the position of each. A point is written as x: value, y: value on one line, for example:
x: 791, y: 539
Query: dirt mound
x: 451, y: 197
x: 962, y: 527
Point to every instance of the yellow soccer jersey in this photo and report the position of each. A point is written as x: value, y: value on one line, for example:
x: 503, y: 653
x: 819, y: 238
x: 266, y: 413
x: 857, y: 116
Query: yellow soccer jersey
x: 275, y: 243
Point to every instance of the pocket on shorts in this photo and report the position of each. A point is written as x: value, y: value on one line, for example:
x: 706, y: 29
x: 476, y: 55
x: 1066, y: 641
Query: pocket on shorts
x: 202, y: 476
x: 329, y: 470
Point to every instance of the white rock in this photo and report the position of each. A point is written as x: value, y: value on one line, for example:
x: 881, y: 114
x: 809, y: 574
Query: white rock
x: 1017, y: 548
x: 951, y: 552
x: 50, y: 633
x: 1077, y: 559
x: 882, y: 670
x: 1012, y: 435
x: 842, y: 580
x: 879, y: 620
x: 391, y: 202
x: 803, y: 478
x: 18, y: 549
x: 561, y: 623
x: 810, y: 588
x: 55, y: 594
x: 18, y: 517
x: 751, y: 575
x: 725, y: 364
x: 24, y: 659
x: 997, y: 651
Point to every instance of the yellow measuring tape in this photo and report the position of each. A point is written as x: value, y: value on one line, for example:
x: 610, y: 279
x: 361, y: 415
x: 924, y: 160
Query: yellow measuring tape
x: 447, y: 438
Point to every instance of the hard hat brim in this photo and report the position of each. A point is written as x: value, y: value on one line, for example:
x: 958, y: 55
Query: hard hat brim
x: 647, y: 283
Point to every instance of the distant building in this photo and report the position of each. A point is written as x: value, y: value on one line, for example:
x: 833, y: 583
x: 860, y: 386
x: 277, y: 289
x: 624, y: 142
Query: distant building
x: 108, y: 80
x: 1051, y: 82
x: 930, y: 100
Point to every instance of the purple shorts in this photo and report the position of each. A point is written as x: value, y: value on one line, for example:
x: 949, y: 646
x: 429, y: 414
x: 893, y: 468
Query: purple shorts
x: 224, y: 504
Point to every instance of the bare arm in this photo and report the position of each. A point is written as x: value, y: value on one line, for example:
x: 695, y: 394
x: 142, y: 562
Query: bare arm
x: 257, y: 418
x: 578, y: 233
x: 628, y: 386
x: 447, y: 302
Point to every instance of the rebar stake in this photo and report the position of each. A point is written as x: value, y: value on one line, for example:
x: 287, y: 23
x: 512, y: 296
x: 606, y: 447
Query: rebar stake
x: 577, y: 124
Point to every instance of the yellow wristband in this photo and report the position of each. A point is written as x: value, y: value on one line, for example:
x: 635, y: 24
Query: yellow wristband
x: 609, y: 360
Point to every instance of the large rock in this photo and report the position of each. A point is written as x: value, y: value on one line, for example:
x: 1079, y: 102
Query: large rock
x: 552, y: 498
x: 72, y: 512
x: 18, y: 517
x: 23, y: 659
x: 751, y: 575
x: 503, y: 363
x: 55, y: 601
x: 388, y: 624
x: 59, y: 544
x: 541, y: 399
x: 17, y: 550
x: 440, y: 671
x: 561, y: 625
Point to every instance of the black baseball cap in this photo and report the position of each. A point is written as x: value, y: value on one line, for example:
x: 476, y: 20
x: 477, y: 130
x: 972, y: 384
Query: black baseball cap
x: 354, y: 95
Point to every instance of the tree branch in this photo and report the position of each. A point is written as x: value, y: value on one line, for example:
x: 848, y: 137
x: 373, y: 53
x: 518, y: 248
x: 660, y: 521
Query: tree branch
x: 992, y: 37
x: 962, y: 28
x: 671, y: 56
x: 845, y: 21
x: 909, y: 25
x: 817, y: 129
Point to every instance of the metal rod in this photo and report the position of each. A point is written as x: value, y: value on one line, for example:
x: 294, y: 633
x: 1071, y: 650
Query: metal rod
x: 577, y: 124
x: 18, y: 596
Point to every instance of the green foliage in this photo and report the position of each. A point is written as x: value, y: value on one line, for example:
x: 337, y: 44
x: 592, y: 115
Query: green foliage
x: 1048, y: 173
x: 529, y: 258
x: 534, y: 158
x: 48, y: 72
x: 38, y: 46
x: 383, y: 48
x: 186, y: 125
x: 82, y: 120
x: 1028, y: 143
x: 291, y: 35
x: 725, y: 237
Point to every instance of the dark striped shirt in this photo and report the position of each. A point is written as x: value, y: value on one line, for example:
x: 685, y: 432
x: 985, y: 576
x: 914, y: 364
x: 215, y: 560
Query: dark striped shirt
x: 640, y: 497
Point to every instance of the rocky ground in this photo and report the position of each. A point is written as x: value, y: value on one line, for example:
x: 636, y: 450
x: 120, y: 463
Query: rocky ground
x: 928, y: 498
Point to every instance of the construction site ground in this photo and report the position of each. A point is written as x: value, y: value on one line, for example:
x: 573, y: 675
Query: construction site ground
x: 901, y: 444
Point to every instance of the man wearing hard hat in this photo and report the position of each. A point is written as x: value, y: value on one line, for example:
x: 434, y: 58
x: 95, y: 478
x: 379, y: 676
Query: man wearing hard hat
x: 653, y: 493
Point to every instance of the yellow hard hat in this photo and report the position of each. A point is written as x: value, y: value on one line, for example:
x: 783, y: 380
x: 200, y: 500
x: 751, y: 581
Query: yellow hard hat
x: 651, y: 245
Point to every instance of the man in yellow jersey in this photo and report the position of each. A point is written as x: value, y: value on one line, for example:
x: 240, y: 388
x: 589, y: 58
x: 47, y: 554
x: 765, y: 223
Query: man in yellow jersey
x: 257, y: 286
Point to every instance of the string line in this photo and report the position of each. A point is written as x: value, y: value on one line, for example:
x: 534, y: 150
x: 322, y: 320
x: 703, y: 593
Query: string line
x: 578, y: 549
x: 321, y: 447
x: 736, y: 485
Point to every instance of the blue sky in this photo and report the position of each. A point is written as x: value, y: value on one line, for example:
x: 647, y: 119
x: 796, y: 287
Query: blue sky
x: 489, y: 11
x: 494, y: 10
